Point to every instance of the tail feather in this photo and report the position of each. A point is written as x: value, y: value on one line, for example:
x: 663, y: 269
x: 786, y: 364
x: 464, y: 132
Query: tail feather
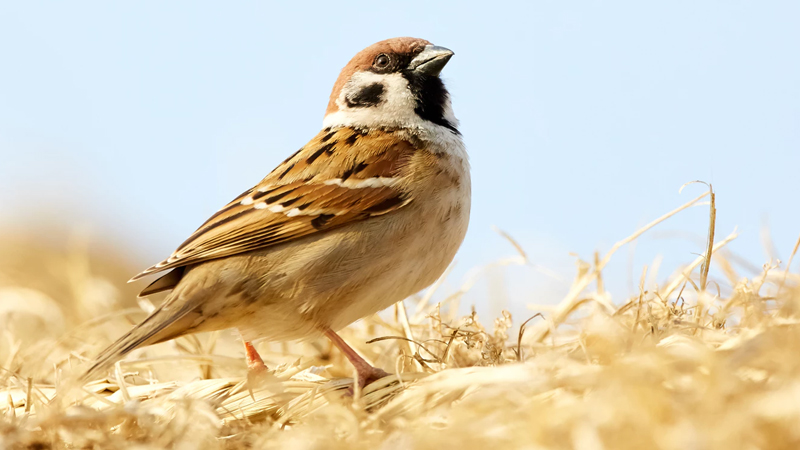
x: 164, y: 283
x: 163, y: 324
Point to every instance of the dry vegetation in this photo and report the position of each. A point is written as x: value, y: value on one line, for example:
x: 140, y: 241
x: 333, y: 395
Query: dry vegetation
x: 699, y: 362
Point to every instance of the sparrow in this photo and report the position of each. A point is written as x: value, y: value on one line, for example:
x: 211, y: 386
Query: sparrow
x: 367, y: 213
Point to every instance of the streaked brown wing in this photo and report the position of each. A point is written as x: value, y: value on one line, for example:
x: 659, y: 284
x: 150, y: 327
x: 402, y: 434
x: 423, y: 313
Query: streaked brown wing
x: 340, y: 177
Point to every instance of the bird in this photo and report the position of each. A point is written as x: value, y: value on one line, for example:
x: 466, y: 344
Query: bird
x: 370, y: 211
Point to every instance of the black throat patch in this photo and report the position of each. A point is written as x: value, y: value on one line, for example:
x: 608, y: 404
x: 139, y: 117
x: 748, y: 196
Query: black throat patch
x: 431, y: 96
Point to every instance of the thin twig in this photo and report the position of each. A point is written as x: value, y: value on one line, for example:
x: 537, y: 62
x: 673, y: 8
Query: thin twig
x: 520, y: 356
x: 712, y: 218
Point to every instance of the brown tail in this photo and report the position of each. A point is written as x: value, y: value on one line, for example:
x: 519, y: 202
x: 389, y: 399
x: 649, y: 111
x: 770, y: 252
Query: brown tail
x: 169, y: 321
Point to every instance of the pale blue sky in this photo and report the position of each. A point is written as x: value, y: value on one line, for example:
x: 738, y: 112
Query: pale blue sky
x: 582, y: 118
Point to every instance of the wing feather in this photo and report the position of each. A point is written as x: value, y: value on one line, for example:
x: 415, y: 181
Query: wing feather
x: 340, y: 177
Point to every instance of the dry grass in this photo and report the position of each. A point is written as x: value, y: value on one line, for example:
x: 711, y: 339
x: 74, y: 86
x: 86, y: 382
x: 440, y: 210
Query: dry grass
x: 700, y: 362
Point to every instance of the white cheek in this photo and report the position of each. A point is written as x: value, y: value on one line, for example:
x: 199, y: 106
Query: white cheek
x: 395, y: 109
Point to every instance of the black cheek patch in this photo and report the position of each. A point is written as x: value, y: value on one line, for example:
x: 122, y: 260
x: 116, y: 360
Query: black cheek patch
x: 367, y: 96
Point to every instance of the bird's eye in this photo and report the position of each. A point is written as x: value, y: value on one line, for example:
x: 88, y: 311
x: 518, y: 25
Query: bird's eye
x: 382, y: 61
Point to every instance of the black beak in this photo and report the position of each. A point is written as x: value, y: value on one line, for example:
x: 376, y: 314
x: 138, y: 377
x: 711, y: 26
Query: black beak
x: 431, y: 61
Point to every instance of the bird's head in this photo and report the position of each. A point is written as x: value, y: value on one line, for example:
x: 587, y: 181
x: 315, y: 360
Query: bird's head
x: 394, y: 84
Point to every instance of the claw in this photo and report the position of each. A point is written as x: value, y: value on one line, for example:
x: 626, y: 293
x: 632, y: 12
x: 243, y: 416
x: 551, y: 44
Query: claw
x: 365, y: 371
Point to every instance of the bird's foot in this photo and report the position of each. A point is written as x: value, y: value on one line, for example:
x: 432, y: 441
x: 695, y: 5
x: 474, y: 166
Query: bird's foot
x: 366, y: 373
x: 256, y: 369
x: 369, y: 374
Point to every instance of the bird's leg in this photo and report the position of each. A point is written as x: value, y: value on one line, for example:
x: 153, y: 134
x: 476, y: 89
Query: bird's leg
x: 255, y: 365
x: 366, y: 373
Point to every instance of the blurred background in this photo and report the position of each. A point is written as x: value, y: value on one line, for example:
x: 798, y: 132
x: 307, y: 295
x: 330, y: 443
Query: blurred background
x: 123, y: 126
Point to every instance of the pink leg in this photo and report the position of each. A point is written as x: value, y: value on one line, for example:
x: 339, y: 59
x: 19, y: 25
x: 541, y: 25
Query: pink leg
x: 255, y: 364
x: 366, y: 373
